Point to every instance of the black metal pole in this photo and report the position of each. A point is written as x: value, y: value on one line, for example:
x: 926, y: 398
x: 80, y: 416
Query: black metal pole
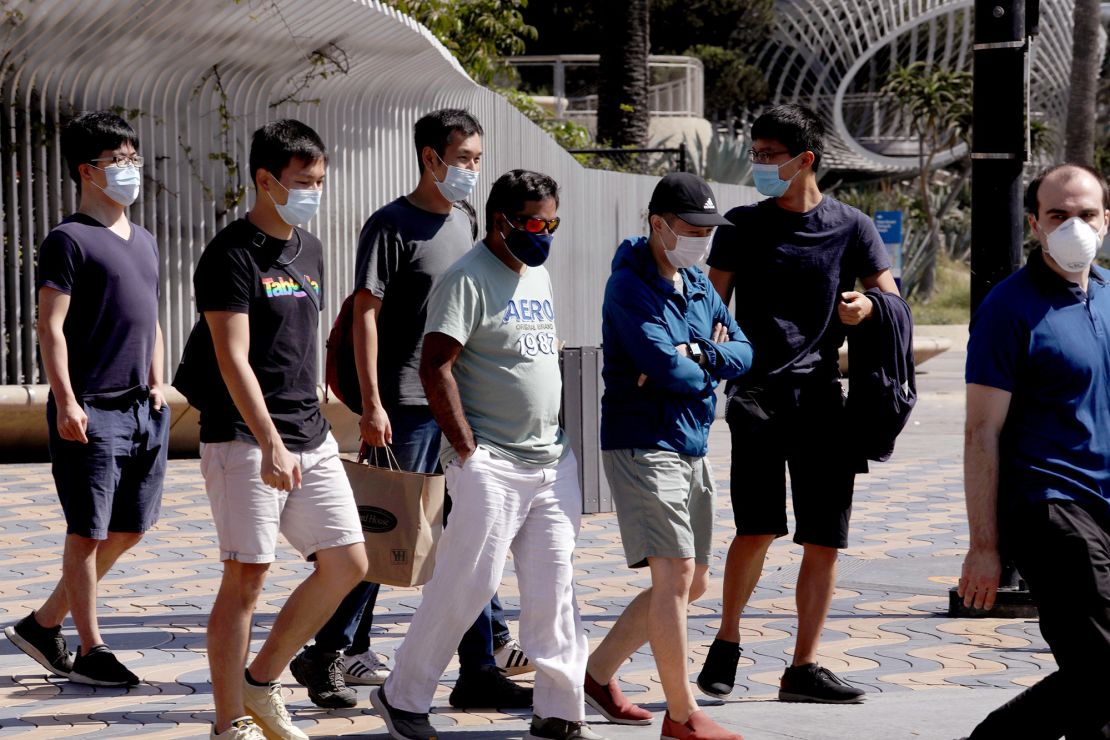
x: 999, y: 136
x: 998, y: 143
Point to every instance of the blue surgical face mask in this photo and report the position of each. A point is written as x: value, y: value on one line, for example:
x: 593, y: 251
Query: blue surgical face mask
x: 531, y: 249
x: 123, y: 183
x: 767, y: 180
x: 299, y: 207
x: 457, y: 184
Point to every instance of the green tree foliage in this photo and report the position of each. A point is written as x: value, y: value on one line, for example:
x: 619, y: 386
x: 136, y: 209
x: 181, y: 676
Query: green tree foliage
x: 478, y: 32
x: 725, y: 35
x: 568, y: 134
x: 937, y: 103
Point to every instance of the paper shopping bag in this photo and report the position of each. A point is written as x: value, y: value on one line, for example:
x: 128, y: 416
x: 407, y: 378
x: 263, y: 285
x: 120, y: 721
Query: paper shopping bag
x: 402, y: 519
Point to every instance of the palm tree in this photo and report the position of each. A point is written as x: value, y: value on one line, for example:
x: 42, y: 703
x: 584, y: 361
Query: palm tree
x: 622, y: 109
x: 937, y: 103
x: 1079, y: 141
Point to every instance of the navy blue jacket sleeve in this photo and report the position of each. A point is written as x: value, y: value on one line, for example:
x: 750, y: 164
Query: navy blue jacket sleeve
x: 628, y: 311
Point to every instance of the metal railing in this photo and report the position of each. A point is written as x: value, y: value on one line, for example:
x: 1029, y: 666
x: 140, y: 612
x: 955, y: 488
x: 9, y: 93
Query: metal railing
x: 677, y: 86
x: 196, y: 84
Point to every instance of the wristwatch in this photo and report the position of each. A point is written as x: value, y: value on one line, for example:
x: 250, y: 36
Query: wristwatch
x: 693, y: 349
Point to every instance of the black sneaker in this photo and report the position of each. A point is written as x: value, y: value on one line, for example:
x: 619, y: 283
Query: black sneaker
x: 812, y: 683
x: 45, y: 644
x: 487, y: 688
x: 322, y: 674
x: 718, y: 673
x: 402, y: 725
x: 553, y: 728
x: 100, y: 667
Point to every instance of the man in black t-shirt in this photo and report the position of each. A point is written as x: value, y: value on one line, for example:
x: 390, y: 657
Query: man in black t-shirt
x: 793, y: 261
x: 269, y: 460
x: 403, y: 248
x: 107, y: 416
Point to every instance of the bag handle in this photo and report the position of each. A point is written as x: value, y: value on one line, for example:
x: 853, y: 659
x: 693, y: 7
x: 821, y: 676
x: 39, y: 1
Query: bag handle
x: 369, y: 455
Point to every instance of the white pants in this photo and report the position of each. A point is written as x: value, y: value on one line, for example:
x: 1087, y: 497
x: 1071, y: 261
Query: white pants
x: 499, y: 506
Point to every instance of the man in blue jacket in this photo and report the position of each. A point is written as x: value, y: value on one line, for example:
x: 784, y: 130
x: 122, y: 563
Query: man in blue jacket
x: 668, y: 342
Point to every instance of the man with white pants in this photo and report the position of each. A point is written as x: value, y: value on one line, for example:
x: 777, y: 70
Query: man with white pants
x: 490, y: 369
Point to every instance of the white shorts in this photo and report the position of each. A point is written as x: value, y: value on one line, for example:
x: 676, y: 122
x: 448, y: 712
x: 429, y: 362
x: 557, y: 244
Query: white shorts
x: 248, y: 514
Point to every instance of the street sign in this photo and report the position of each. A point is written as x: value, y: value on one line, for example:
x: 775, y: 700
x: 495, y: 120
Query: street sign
x: 889, y: 225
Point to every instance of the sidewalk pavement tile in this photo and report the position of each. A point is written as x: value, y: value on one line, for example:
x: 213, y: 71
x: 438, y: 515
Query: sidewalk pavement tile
x: 927, y: 675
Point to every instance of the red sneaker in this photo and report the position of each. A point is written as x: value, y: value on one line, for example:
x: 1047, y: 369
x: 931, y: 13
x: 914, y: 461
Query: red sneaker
x: 613, y: 704
x: 697, y: 727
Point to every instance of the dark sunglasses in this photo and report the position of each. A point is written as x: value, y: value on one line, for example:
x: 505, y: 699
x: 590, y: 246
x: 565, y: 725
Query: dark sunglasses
x: 533, y: 225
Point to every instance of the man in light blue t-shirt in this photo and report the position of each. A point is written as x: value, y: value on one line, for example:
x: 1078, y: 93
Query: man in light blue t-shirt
x: 490, y: 369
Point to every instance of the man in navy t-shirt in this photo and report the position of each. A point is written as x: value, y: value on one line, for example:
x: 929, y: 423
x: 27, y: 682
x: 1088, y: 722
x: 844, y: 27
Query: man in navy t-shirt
x: 1037, y: 454
x: 107, y: 416
x: 793, y: 261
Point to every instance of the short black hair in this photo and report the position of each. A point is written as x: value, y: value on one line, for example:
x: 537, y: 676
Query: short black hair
x: 1033, y: 205
x: 85, y: 137
x: 436, y: 128
x: 513, y: 189
x: 278, y: 143
x: 796, y: 127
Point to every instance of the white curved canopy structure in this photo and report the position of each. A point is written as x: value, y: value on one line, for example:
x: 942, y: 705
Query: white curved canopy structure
x: 156, y: 61
x: 834, y: 56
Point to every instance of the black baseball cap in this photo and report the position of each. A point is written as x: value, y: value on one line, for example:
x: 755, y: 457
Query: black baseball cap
x: 687, y: 196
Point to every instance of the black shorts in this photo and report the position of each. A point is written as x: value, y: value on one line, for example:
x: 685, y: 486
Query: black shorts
x: 113, y: 483
x: 803, y: 430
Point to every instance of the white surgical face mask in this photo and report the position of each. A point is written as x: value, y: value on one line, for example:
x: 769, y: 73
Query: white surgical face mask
x: 123, y: 183
x: 299, y: 207
x: 457, y: 184
x: 1073, y: 244
x: 688, y: 250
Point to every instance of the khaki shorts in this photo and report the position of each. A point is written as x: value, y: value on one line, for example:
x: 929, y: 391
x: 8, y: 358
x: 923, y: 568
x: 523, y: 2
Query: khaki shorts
x: 249, y: 514
x: 664, y: 504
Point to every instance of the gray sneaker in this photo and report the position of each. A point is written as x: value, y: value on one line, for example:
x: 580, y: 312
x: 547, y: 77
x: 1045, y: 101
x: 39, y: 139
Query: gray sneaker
x: 553, y: 728
x: 45, y: 644
x: 322, y: 674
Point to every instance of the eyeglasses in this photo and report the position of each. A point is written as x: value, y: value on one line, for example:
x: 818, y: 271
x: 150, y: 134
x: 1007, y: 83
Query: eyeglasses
x: 534, y: 225
x: 122, y: 160
x: 765, y: 157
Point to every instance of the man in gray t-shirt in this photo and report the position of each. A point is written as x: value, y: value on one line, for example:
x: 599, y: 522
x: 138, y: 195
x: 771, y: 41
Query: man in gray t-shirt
x: 403, y: 248
x: 490, y: 369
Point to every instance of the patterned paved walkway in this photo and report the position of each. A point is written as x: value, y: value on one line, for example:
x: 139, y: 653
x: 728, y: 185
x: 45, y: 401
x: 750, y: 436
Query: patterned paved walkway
x: 887, y: 631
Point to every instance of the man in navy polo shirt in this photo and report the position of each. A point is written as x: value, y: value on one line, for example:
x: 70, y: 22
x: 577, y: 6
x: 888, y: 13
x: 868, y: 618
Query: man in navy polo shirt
x: 1037, y: 454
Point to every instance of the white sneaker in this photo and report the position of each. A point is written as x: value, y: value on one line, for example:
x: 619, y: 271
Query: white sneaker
x: 364, y: 669
x: 511, y: 659
x: 264, y: 703
x: 242, y: 728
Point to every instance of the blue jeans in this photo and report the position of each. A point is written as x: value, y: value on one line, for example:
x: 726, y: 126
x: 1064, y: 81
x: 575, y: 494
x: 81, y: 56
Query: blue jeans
x: 416, y: 439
